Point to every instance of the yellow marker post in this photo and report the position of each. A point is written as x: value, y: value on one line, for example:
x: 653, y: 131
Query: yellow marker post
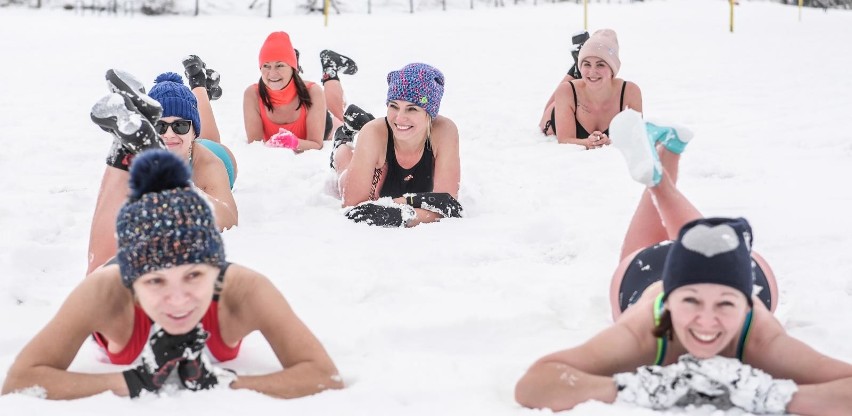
x: 800, y: 10
x: 586, y: 15
x: 732, y: 16
x: 326, y: 6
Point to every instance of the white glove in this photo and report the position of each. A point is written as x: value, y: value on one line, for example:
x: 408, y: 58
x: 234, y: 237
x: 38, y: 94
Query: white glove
x: 653, y: 386
x: 746, y: 387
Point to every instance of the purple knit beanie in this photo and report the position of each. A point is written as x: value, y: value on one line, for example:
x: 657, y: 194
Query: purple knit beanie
x: 417, y: 83
x: 176, y: 98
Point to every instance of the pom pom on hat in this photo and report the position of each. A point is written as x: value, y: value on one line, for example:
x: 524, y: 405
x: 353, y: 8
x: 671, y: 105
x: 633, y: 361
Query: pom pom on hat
x: 602, y: 44
x: 277, y: 47
x: 164, y: 223
x: 157, y: 171
x: 176, y: 98
x: 417, y: 83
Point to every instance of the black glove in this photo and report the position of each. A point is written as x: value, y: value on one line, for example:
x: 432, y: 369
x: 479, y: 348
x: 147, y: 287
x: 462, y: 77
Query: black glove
x: 196, y: 372
x: 160, y: 357
x: 440, y: 203
x: 395, y: 215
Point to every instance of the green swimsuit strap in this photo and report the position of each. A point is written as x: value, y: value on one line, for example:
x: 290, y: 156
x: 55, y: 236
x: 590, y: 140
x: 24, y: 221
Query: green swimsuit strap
x: 661, y: 341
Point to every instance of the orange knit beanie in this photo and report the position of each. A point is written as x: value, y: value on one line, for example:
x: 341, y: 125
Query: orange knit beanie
x: 277, y: 47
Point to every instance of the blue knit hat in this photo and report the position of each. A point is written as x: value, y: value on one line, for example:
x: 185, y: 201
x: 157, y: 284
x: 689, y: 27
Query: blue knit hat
x: 417, y: 83
x: 176, y: 98
x: 711, y: 250
x: 164, y: 223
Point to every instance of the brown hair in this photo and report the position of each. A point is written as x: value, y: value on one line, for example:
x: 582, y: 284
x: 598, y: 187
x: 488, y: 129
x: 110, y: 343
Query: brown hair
x: 301, y: 92
x: 664, y: 327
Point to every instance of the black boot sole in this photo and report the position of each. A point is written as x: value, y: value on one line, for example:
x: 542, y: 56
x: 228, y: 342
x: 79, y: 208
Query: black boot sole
x: 113, y: 113
x: 121, y: 82
x: 339, y: 62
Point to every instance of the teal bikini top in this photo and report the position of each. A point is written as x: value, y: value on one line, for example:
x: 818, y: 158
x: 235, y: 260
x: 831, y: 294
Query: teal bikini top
x: 662, y: 342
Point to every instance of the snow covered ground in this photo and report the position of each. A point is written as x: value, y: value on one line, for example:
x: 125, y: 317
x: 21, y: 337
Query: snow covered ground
x: 443, y: 319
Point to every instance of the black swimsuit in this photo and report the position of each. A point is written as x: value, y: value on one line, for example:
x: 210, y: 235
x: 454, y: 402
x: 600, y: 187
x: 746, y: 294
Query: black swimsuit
x: 417, y: 179
x: 647, y: 268
x: 581, y: 131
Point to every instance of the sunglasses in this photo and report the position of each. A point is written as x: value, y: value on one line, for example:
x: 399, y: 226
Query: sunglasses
x: 178, y: 126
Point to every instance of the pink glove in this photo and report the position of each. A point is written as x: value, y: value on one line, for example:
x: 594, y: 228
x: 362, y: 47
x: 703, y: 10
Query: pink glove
x: 284, y: 138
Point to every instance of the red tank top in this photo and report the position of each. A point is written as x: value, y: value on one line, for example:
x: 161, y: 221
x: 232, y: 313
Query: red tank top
x: 299, y: 127
x: 142, y: 331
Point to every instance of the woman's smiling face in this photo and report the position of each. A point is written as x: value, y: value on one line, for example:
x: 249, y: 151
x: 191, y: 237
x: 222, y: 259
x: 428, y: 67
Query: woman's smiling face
x: 177, y: 297
x: 706, y: 317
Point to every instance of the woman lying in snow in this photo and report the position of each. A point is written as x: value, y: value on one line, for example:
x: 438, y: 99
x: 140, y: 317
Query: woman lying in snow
x: 404, y: 169
x: 583, y: 105
x: 170, y: 306
x: 173, y: 116
x: 693, y: 330
x: 282, y: 109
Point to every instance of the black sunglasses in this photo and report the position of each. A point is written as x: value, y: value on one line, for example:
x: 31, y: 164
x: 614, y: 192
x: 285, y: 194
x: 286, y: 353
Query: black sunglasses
x: 178, y: 126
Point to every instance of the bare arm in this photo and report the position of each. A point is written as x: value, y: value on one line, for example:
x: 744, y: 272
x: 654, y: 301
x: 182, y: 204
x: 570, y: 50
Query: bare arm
x: 371, y: 146
x: 251, y: 115
x: 45, y: 359
x: 205, y: 114
x: 824, y: 383
x: 632, y: 97
x: 832, y: 398
x: 210, y: 176
x: 445, y: 145
x: 566, y: 130
x: 564, y: 379
x: 307, y: 367
x: 315, y: 121
x: 567, y: 78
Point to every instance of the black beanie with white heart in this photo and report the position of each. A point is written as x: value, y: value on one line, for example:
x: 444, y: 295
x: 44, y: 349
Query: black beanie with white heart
x: 711, y: 250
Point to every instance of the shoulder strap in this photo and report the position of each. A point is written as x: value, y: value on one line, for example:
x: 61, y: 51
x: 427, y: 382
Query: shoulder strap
x: 621, y: 103
x: 662, y: 344
x: 744, y: 337
x: 220, y: 281
x: 574, y: 90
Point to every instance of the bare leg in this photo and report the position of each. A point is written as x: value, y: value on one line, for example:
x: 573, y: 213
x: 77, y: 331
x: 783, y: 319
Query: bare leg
x: 548, y: 108
x: 334, y: 98
x: 662, y: 209
x: 661, y: 212
x: 342, y: 158
x: 208, y: 123
x: 111, y: 196
x: 205, y: 113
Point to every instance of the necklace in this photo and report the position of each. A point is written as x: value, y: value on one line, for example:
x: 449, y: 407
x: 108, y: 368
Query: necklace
x: 191, y: 145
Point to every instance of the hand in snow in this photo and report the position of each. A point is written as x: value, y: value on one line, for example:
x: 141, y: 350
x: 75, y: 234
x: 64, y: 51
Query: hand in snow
x: 745, y: 386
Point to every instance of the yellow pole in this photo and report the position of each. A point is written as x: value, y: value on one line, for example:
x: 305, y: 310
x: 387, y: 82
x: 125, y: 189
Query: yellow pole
x: 586, y: 15
x: 732, y: 16
x: 325, y: 11
x: 800, y: 10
